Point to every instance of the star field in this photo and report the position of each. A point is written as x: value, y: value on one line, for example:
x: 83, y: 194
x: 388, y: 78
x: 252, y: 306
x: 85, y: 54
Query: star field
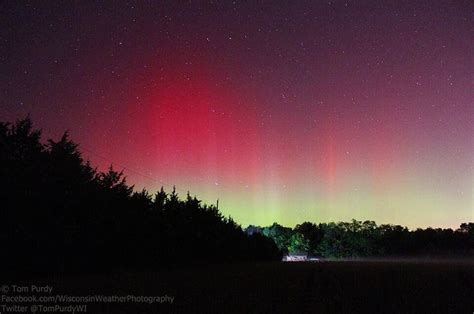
x: 285, y: 112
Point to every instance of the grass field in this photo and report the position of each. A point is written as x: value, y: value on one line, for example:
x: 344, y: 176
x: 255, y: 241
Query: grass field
x: 324, y: 287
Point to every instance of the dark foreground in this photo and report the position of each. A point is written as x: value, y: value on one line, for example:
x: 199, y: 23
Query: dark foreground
x: 324, y: 287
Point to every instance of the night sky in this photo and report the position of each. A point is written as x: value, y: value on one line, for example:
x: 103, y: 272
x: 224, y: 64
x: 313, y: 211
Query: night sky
x: 305, y: 111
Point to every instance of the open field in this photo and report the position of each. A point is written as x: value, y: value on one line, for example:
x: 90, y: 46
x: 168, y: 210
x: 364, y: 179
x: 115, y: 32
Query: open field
x: 324, y: 287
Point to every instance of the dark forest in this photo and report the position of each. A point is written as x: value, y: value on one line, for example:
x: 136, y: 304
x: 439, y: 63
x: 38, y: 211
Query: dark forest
x: 60, y: 214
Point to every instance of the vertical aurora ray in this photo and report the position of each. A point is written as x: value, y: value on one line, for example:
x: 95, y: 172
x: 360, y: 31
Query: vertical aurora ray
x: 318, y: 111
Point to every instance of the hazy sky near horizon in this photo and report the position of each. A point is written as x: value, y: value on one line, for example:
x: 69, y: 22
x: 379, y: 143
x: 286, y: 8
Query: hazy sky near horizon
x: 288, y: 112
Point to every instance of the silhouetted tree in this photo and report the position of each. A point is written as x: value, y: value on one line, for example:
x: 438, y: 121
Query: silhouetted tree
x: 57, y: 213
x: 281, y: 235
x: 298, y: 244
x: 364, y: 239
x: 60, y: 214
x: 312, y: 233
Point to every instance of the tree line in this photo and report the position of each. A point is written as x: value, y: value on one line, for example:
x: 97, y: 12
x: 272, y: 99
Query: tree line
x: 59, y: 214
x: 367, y: 239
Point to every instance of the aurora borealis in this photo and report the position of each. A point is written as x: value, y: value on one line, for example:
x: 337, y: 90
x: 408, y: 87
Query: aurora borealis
x: 290, y: 112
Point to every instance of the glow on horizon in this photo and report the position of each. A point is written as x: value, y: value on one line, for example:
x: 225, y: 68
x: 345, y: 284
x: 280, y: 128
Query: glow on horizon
x: 290, y: 112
